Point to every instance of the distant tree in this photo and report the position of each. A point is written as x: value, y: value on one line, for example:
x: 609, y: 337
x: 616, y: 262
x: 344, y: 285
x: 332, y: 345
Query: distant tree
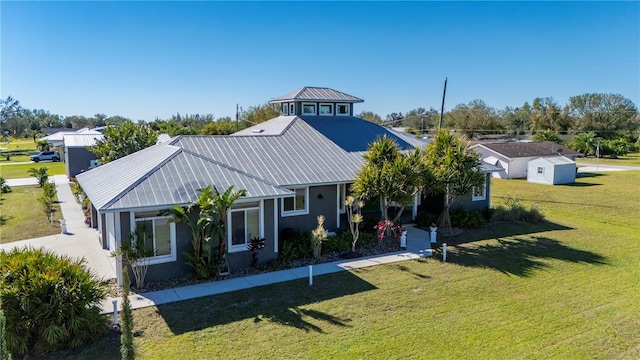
x: 455, y: 169
x: 9, y: 108
x: 122, y: 140
x: 370, y: 116
x: 473, y: 118
x: 606, y: 114
x: 222, y: 126
x: 517, y: 121
x: 421, y: 119
x: 584, y: 142
x: 260, y: 113
x: 547, y: 135
x: 114, y: 120
x: 394, y: 119
x: 548, y: 115
x: 77, y: 122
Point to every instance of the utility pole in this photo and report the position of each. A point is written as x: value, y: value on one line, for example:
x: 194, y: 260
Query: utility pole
x: 444, y: 93
x: 237, y: 117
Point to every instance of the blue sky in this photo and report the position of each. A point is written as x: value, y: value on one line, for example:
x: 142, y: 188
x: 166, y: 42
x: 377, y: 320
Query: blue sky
x: 144, y: 60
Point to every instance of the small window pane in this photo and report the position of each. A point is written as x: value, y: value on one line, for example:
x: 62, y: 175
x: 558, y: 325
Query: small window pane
x: 300, y: 201
x: 288, y: 204
x: 237, y: 228
x: 162, y: 236
x: 309, y: 109
x: 326, y: 110
x: 253, y: 224
x: 291, y: 109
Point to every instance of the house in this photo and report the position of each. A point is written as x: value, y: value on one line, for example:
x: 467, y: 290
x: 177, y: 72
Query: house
x: 552, y: 170
x: 77, y: 156
x: 513, y: 157
x: 294, y: 168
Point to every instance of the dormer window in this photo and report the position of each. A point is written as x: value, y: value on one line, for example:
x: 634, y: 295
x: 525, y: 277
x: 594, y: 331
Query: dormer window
x: 326, y: 109
x: 342, y: 109
x: 308, y: 109
x: 292, y: 109
x: 285, y: 109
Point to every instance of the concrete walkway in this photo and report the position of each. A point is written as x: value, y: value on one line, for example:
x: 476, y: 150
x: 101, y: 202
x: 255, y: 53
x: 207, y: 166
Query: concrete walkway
x: 80, y: 241
x: 418, y: 246
x: 22, y: 181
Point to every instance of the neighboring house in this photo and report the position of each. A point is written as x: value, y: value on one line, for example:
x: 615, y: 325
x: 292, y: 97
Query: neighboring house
x: 77, y: 156
x: 294, y: 167
x: 513, y: 157
x: 552, y: 170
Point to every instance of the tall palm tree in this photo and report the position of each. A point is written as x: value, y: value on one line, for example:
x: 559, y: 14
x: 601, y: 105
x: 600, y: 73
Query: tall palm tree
x: 221, y: 204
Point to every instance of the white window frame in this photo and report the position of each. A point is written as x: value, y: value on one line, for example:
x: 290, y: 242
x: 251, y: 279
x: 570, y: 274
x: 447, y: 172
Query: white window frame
x: 342, y: 196
x: 243, y: 247
x: 331, y: 106
x: 292, y: 109
x: 540, y: 169
x: 315, y: 108
x: 348, y: 109
x: 161, y: 259
x: 285, y: 109
x: 479, y: 197
x: 296, y: 212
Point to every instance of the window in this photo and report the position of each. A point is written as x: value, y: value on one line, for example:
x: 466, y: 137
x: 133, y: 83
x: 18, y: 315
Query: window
x: 540, y: 170
x: 342, y: 109
x: 342, y: 196
x: 308, y: 109
x: 292, y: 109
x: 297, y: 204
x: 479, y: 192
x: 285, y: 109
x: 326, y: 109
x: 244, y: 223
x: 161, y: 232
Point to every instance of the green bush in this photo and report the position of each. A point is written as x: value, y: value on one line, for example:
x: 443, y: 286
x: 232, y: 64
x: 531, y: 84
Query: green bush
x: 338, y: 243
x: 514, y: 210
x: 51, y: 302
x: 463, y: 218
x: 425, y: 219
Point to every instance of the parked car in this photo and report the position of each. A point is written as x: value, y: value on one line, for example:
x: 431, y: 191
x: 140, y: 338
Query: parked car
x: 46, y: 155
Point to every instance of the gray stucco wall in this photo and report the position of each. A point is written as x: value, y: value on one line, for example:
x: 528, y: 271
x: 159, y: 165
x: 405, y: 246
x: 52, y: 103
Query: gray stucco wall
x: 78, y: 159
x: 326, y: 205
x: 469, y: 204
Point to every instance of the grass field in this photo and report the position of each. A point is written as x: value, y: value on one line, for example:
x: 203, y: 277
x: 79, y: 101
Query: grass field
x: 566, y: 289
x: 21, y: 216
x: 19, y: 144
x: 630, y: 160
x: 21, y: 170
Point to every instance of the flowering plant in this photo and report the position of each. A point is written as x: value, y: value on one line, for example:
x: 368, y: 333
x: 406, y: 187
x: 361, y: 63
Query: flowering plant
x: 388, y: 228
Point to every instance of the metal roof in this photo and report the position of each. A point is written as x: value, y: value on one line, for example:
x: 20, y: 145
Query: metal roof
x: 81, y: 140
x: 354, y: 134
x: 556, y: 160
x: 513, y: 150
x: 275, y: 126
x: 309, y: 93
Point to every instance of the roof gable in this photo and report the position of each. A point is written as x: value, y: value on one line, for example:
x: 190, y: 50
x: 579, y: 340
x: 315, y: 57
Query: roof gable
x: 309, y: 93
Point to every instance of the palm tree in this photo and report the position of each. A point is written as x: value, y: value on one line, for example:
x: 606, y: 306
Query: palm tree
x: 221, y: 203
x: 455, y: 169
x: 584, y: 142
x: 547, y: 135
x: 41, y: 174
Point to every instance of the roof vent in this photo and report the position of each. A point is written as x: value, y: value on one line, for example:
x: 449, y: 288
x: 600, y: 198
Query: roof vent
x: 257, y: 131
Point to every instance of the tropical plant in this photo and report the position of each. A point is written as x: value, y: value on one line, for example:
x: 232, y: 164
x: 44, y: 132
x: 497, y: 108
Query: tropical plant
x: 51, y: 302
x: 127, y: 349
x: 318, y: 235
x: 388, y: 175
x: 584, y: 142
x: 41, y: 174
x: 47, y: 198
x: 137, y: 253
x: 547, y: 135
x: 4, y: 188
x: 4, y: 351
x: 221, y: 203
x: 455, y: 170
x: 255, y: 245
x: 122, y: 140
x: 354, y: 207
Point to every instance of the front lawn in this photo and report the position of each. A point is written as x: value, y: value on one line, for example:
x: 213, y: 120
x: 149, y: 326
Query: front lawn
x: 21, y: 216
x: 627, y: 160
x: 11, y: 171
x: 563, y: 289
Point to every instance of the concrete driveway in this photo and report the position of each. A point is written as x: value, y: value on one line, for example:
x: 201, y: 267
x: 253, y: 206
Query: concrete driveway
x: 80, y: 241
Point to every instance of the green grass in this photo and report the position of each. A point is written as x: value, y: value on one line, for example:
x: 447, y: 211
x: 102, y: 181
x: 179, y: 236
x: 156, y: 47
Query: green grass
x: 566, y: 289
x: 628, y: 160
x: 21, y: 216
x: 14, y: 159
x: 19, y: 144
x: 21, y: 170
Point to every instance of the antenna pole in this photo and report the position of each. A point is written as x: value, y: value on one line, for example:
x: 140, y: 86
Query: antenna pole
x: 444, y: 93
x: 237, y: 118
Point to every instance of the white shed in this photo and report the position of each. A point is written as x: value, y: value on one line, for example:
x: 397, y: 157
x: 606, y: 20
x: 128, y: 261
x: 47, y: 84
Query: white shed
x: 552, y: 170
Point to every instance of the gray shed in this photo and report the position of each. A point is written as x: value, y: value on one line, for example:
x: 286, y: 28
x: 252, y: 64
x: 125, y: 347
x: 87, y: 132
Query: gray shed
x: 552, y: 170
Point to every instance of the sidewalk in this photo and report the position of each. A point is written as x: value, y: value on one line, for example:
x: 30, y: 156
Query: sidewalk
x: 79, y: 241
x: 418, y: 246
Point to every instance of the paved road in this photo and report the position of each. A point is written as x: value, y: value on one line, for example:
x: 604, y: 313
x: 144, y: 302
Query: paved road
x: 79, y: 241
x: 589, y: 167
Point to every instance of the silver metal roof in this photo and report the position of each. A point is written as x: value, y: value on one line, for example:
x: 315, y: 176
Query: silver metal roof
x: 556, y: 160
x: 81, y: 139
x: 309, y: 93
x: 275, y: 126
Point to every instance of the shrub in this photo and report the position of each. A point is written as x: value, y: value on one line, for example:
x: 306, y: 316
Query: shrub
x: 47, y: 197
x: 514, y: 210
x: 4, y: 352
x: 424, y: 219
x: 4, y: 188
x: 51, y: 302
x: 255, y: 245
x: 127, y: 349
x: 318, y: 235
x: 41, y: 174
x: 464, y: 218
x: 338, y: 243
